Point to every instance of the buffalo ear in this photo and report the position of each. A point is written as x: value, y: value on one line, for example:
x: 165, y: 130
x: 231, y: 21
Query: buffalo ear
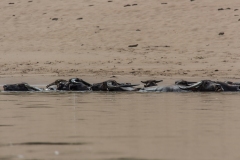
x: 144, y: 81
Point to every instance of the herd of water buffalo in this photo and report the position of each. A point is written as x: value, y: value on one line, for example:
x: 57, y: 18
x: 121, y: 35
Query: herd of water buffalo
x: 76, y: 84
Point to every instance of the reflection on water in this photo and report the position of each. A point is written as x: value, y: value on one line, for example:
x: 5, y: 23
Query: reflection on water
x: 119, y: 126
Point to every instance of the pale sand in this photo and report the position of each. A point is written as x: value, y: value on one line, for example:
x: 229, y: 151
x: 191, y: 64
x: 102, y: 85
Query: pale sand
x: 177, y: 40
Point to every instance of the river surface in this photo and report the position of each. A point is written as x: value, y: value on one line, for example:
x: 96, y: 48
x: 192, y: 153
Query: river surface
x: 119, y: 126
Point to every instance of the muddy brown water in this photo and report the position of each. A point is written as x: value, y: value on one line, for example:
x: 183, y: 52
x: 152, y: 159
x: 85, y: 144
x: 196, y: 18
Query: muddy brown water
x: 119, y: 126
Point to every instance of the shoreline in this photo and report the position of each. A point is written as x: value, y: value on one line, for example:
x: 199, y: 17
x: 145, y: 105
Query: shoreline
x: 44, y: 79
x: 41, y: 41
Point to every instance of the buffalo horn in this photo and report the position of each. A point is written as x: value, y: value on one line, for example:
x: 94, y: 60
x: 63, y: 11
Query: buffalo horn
x: 195, y: 85
x: 51, y: 84
x: 33, y: 88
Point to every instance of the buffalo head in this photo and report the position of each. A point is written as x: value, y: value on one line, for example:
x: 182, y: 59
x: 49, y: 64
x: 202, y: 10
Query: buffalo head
x: 57, y: 82
x: 203, y: 86
x: 150, y: 83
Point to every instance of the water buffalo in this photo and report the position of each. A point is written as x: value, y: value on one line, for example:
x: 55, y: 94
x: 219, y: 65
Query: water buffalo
x: 229, y: 86
x: 112, y: 85
x: 226, y: 86
x: 202, y: 86
x: 76, y: 84
x: 20, y: 87
x: 73, y: 84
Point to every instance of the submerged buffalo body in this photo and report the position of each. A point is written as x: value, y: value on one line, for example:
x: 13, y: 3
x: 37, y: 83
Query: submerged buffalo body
x: 229, y: 87
x: 112, y: 85
x: 202, y: 86
x: 173, y: 88
x: 20, y: 87
x: 226, y: 86
x: 73, y: 84
x: 76, y: 84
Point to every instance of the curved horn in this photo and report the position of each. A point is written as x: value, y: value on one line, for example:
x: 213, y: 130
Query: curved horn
x: 158, y: 81
x: 128, y: 85
x: 193, y: 86
x: 86, y: 83
x: 51, y: 84
x: 32, y: 88
x: 74, y: 80
x: 149, y: 81
x: 183, y: 82
x: 124, y: 85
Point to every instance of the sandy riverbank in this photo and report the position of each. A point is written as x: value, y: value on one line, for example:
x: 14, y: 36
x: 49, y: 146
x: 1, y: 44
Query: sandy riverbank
x: 43, y: 40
